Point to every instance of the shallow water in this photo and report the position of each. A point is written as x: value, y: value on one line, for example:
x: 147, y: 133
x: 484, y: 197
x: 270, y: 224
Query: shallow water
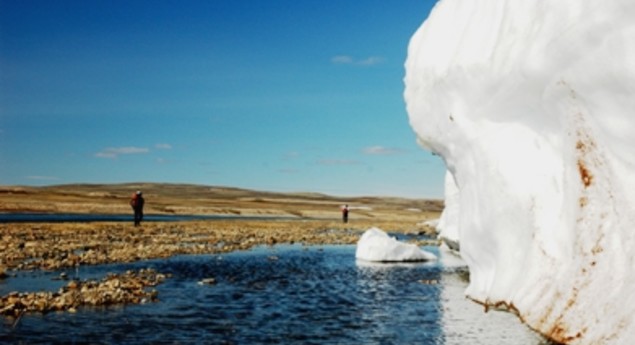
x: 284, y: 294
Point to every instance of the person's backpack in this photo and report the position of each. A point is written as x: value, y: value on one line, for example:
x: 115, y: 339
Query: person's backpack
x: 133, y: 200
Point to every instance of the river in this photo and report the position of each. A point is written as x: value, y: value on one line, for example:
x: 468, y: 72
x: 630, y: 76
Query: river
x: 289, y: 294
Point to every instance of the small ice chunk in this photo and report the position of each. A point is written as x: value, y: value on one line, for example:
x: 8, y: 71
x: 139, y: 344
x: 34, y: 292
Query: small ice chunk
x: 376, y: 245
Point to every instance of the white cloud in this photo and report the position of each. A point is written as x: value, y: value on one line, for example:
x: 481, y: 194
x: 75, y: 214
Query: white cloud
x: 163, y: 146
x: 349, y: 60
x: 381, y: 150
x: 114, y: 152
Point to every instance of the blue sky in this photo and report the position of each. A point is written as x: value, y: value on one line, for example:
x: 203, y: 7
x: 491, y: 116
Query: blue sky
x: 279, y: 95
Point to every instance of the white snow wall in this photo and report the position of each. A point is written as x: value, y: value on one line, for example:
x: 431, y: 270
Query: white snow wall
x: 531, y: 105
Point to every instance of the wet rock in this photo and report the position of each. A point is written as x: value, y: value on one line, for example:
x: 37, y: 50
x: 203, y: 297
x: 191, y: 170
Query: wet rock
x: 429, y: 281
x: 126, y: 288
x: 207, y: 281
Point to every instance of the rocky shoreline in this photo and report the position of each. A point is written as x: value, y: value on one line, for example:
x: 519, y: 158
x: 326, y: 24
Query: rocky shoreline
x: 126, y: 288
x: 55, y: 246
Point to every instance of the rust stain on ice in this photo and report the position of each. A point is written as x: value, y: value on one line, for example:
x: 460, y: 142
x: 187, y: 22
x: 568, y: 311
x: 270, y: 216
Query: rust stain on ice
x: 559, y: 335
x: 585, y: 174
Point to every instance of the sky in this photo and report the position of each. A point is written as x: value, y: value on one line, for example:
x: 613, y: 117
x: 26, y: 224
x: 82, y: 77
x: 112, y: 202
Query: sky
x: 278, y: 95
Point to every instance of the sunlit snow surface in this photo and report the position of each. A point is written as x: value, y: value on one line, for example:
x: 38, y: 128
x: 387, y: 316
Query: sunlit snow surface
x: 376, y: 245
x: 531, y: 105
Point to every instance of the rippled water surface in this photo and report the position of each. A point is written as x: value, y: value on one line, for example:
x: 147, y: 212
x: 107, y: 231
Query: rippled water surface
x: 280, y: 295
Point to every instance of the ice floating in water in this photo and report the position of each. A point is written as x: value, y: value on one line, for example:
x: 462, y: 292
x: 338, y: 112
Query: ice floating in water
x: 376, y: 245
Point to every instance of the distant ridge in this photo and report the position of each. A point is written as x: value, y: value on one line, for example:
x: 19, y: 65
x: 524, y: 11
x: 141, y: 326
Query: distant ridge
x: 182, y: 198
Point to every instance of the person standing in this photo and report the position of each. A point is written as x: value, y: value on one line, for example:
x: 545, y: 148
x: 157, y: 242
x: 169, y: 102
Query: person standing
x: 345, y: 214
x: 137, y: 202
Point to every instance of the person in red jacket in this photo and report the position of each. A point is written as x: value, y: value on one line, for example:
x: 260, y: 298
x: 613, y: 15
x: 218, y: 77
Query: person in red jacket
x: 345, y: 214
x: 136, y: 203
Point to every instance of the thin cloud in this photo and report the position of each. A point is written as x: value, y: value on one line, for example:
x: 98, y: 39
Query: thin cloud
x: 163, y: 146
x: 115, y: 152
x: 371, y: 61
x: 379, y: 150
x: 349, y: 60
x: 342, y: 60
x: 42, y: 178
x: 291, y: 155
x: 289, y: 171
x: 338, y: 162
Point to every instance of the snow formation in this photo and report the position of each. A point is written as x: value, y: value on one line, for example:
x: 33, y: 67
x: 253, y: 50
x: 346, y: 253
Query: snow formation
x: 376, y: 245
x: 531, y: 105
x: 448, y: 227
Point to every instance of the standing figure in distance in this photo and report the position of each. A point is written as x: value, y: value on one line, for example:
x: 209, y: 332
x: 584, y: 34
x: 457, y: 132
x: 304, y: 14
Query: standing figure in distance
x: 345, y: 214
x: 137, y: 206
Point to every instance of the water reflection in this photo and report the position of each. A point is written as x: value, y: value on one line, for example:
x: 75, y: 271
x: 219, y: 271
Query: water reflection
x: 465, y: 322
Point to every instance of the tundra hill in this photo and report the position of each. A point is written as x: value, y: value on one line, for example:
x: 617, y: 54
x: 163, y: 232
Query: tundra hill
x: 165, y: 198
